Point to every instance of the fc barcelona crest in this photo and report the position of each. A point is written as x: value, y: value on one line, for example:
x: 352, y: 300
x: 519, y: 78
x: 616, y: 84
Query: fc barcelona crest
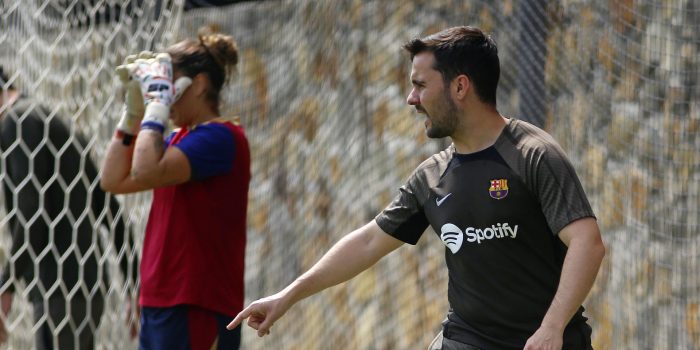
x: 498, y: 189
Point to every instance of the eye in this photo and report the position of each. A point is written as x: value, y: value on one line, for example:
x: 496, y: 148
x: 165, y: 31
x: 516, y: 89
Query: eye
x: 418, y: 83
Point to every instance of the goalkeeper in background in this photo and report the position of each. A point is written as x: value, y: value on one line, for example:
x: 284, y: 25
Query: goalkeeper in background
x: 193, y: 253
x: 50, y: 198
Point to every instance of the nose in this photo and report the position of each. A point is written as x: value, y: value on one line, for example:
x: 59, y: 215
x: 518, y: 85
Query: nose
x: 412, y: 98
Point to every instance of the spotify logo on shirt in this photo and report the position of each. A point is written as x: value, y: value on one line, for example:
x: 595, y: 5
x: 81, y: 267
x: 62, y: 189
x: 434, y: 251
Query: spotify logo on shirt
x: 453, y: 237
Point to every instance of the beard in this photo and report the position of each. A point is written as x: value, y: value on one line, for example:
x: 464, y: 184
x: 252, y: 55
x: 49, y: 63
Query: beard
x: 444, y: 121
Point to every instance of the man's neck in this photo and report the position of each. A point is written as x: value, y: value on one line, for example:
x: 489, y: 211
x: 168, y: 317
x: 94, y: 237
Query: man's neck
x: 478, y: 131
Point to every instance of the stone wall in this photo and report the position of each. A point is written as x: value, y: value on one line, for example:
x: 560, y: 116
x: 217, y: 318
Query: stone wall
x: 321, y: 90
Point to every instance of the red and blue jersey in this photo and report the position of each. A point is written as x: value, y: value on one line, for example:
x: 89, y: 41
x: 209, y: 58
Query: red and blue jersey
x: 194, y: 249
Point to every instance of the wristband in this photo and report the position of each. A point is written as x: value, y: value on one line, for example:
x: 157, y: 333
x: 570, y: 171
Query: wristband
x: 149, y: 125
x: 127, y: 139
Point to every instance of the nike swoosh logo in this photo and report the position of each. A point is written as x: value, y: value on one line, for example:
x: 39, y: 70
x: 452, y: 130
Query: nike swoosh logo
x: 439, y: 201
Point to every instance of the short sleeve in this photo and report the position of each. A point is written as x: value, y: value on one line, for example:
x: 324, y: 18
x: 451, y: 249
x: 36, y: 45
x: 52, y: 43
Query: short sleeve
x: 404, y: 218
x: 560, y: 192
x: 542, y: 164
x: 210, y: 148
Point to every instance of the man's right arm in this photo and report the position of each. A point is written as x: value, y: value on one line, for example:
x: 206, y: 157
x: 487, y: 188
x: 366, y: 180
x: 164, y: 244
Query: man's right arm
x: 353, y: 254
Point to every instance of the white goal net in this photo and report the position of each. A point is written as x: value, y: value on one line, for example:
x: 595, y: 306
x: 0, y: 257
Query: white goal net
x: 63, y: 244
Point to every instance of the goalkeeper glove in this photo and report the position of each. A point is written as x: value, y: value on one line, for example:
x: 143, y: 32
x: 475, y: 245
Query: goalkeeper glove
x: 153, y: 73
x: 134, y: 106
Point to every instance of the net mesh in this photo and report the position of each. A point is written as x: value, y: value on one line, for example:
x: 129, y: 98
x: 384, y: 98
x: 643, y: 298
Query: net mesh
x: 321, y: 89
x: 62, y: 55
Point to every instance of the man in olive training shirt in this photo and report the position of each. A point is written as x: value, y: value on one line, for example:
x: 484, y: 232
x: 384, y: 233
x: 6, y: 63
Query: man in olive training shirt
x: 522, y: 245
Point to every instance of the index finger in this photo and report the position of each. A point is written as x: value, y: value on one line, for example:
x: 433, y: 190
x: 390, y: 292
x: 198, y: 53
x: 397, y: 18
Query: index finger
x: 239, y: 318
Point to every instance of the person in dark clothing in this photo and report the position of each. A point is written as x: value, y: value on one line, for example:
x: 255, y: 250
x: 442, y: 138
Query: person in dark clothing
x: 56, y: 211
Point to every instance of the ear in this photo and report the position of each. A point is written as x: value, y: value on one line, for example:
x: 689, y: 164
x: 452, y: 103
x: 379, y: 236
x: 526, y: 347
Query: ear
x: 200, y: 83
x: 461, y: 86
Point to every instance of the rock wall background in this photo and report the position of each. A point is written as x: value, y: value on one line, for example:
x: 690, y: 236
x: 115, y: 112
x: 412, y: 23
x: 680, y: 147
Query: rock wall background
x: 321, y: 90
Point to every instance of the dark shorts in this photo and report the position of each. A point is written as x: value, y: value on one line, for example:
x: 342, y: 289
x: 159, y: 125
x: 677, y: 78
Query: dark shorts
x: 442, y: 343
x: 186, y: 327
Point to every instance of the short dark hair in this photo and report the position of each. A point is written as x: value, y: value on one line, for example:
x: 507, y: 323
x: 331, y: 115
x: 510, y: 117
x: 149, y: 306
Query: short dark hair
x: 463, y: 50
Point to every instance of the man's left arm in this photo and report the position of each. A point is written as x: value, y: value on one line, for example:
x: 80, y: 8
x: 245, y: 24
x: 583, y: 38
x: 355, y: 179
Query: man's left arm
x: 583, y: 258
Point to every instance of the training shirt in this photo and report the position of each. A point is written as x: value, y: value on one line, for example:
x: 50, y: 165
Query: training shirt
x: 498, y: 212
x: 194, y: 247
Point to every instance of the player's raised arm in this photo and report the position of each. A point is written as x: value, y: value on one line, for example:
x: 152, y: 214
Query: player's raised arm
x: 132, y: 164
x: 353, y: 254
x: 117, y: 163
